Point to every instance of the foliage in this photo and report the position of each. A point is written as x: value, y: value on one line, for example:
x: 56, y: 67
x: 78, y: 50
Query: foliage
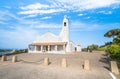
x: 84, y: 49
x: 5, y: 50
x: 1, y: 50
x: 93, y: 47
x: 114, y: 48
x: 20, y: 51
x: 117, y: 40
x: 114, y: 51
x: 112, y: 33
x: 102, y: 48
x: 108, y: 43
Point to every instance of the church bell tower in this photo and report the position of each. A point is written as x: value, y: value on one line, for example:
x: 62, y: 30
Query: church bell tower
x: 65, y: 30
x: 65, y: 33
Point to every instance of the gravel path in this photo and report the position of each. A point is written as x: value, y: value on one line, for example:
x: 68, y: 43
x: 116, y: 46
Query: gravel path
x: 30, y: 66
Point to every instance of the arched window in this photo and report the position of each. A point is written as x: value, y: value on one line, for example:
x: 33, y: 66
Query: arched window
x: 64, y: 23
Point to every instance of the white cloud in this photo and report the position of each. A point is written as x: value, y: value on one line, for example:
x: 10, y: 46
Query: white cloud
x: 6, y: 15
x: 35, y: 6
x: 55, y: 6
x: 39, y: 8
x: 105, y: 12
x: 2, y: 15
x: 49, y: 11
x: 88, y: 17
x: 88, y: 4
x: 80, y: 14
x: 27, y: 23
x: 46, y: 25
x: 31, y: 16
x: 47, y: 17
x: 80, y: 26
x: 7, y: 7
x: 77, y: 24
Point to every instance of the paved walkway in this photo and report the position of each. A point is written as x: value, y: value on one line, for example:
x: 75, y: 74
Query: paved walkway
x: 30, y: 66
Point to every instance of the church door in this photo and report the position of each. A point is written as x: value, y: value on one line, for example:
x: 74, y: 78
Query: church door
x: 75, y: 49
x: 45, y: 48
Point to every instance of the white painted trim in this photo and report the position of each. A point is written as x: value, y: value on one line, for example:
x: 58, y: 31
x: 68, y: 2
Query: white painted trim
x: 112, y: 75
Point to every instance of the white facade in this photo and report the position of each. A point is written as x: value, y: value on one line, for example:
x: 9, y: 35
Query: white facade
x: 50, y: 43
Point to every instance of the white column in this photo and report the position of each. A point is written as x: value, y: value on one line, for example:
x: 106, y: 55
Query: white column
x: 55, y: 47
x: 41, y: 48
x: 48, y: 47
x: 64, y: 47
x: 35, y: 48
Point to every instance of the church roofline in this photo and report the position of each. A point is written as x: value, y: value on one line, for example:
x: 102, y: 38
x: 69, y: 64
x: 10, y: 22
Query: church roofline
x: 49, y: 33
x: 49, y: 43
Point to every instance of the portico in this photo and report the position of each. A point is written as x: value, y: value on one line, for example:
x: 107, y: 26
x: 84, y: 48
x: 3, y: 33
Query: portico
x: 50, y: 47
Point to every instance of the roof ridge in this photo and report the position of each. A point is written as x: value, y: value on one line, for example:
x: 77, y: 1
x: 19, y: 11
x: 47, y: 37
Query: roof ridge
x: 49, y: 33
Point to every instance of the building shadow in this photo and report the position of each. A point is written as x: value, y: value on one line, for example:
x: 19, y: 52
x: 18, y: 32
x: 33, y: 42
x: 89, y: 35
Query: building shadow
x: 105, y: 54
x: 108, y: 68
x: 118, y: 65
x: 104, y: 60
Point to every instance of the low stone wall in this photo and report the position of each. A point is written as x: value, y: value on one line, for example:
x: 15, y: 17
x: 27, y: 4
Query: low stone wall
x: 13, y: 53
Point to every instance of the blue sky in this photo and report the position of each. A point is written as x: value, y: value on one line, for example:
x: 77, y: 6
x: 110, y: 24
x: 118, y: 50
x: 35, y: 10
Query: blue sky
x: 21, y: 21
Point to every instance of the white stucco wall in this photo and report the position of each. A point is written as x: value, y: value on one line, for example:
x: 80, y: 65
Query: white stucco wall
x: 79, y: 48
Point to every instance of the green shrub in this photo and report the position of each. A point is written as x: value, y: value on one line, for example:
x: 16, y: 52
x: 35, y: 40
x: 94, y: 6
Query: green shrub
x: 101, y: 49
x: 92, y: 47
x: 84, y: 49
x: 114, y: 51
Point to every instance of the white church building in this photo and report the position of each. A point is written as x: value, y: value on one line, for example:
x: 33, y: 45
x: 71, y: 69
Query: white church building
x: 51, y: 43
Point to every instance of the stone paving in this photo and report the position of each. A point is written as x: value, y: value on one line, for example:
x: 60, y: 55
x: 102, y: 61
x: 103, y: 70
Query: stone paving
x: 31, y: 66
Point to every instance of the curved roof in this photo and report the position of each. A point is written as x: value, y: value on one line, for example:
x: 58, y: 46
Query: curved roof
x: 48, y: 37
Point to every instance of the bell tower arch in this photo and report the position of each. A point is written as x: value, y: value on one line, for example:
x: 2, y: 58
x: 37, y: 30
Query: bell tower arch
x: 65, y: 30
x: 65, y: 33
